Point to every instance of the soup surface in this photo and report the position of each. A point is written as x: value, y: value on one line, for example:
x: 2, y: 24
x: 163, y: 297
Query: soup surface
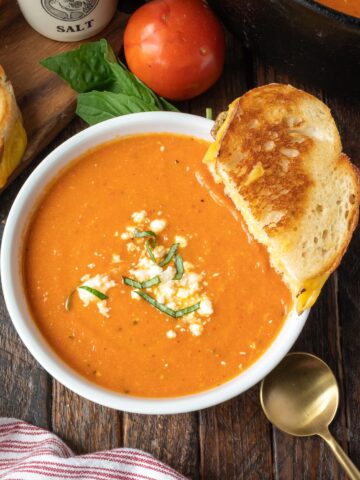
x: 223, y: 309
x: 351, y: 7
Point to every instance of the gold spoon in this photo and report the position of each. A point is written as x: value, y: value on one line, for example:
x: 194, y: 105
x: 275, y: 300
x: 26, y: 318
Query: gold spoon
x: 301, y: 396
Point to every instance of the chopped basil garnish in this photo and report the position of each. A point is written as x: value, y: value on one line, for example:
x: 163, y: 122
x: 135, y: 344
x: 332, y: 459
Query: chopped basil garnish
x: 68, y: 301
x: 151, y: 282
x: 160, y: 306
x: 209, y: 113
x: 179, y: 264
x: 131, y: 282
x: 187, y: 310
x: 170, y: 254
x: 95, y: 292
x: 148, y: 283
x: 163, y: 308
x: 148, y: 233
x: 149, y: 250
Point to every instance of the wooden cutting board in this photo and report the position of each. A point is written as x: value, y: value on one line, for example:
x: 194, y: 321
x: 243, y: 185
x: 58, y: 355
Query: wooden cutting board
x: 46, y: 102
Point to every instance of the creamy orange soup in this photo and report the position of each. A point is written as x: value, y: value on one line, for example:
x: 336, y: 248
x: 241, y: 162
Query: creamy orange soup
x: 351, y: 7
x: 84, y: 233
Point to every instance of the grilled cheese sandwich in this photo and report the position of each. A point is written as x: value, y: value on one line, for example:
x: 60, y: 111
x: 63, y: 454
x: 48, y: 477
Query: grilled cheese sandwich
x: 12, y: 133
x: 277, y: 151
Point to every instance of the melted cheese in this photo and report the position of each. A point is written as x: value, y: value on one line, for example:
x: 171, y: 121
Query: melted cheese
x: 312, y: 289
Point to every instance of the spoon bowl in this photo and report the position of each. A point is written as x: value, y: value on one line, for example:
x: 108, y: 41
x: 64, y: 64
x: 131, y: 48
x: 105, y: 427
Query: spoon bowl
x: 301, y: 396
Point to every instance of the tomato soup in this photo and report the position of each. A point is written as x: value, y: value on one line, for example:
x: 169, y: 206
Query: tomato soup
x: 351, y: 7
x: 140, y: 275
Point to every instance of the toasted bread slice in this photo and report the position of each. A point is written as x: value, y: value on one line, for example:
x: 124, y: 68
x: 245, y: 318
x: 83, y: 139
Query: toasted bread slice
x: 278, y: 153
x: 12, y: 133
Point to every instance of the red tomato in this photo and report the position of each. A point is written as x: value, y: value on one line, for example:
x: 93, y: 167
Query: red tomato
x: 176, y: 47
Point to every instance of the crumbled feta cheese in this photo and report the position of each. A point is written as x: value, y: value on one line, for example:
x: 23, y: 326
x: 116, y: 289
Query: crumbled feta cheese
x: 103, y: 308
x: 159, y: 251
x: 160, y: 298
x: 131, y: 247
x: 102, y: 283
x: 168, y: 274
x: 162, y: 148
x: 171, y: 334
x: 140, y: 275
x: 134, y: 295
x: 196, y: 329
x: 183, y: 293
x: 125, y: 236
x: 181, y: 241
x: 168, y: 290
x: 116, y: 234
x: 115, y: 258
x: 193, y: 278
x: 223, y: 363
x: 158, y: 225
x: 91, y: 265
x: 206, y: 307
x: 188, y: 265
x: 139, y: 217
x: 145, y: 270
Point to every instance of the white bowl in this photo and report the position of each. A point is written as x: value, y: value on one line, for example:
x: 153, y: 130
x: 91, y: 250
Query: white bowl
x: 11, y: 252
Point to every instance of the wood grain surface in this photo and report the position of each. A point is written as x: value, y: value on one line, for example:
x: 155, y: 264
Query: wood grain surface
x: 46, y: 102
x: 232, y: 441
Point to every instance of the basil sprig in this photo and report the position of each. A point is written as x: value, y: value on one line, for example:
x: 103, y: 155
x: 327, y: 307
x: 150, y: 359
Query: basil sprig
x: 95, y: 292
x: 163, y: 308
x: 146, y: 284
x: 67, y: 303
x: 105, y: 86
x: 179, y: 264
x: 170, y: 254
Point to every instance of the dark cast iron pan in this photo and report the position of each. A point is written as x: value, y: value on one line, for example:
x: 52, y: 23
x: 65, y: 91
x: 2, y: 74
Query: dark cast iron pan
x: 302, y: 38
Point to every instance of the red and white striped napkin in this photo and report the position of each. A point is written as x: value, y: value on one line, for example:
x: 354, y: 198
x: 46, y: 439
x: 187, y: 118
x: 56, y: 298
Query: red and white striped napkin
x: 31, y: 453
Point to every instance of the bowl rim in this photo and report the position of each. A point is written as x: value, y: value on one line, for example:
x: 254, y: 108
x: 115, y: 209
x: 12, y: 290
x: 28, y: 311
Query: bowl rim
x: 330, y: 12
x: 11, y: 251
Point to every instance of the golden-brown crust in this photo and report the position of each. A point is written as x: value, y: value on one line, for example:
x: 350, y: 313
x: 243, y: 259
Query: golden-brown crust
x: 283, y: 184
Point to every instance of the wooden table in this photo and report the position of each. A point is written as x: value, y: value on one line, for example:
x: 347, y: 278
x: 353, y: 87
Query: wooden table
x: 233, y: 440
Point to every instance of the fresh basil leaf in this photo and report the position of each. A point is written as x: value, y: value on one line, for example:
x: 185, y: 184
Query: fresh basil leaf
x: 86, y: 68
x: 160, y: 102
x: 165, y: 105
x: 94, y: 72
x: 94, y: 107
x: 127, y: 83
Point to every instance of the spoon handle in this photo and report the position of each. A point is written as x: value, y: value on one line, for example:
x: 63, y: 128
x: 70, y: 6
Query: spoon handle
x: 340, y: 455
